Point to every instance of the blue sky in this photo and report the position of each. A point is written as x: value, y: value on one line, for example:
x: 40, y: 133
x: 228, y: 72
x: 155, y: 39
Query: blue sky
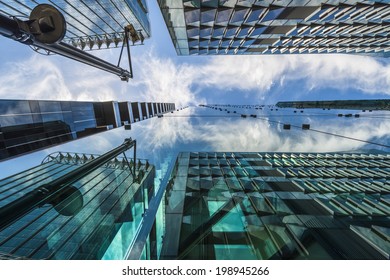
x: 161, y: 75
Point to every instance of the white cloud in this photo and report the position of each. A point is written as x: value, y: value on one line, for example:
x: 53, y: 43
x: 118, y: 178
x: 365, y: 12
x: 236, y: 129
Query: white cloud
x: 161, y: 80
x: 56, y: 78
x: 41, y: 77
x: 91, y: 84
x: 316, y: 71
x: 34, y: 78
x: 343, y: 71
x: 242, y: 72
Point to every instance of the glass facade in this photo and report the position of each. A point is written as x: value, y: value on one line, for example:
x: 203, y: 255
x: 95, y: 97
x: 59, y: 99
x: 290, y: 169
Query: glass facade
x: 277, y: 27
x: 113, y: 206
x: 27, y: 125
x: 236, y: 205
x: 369, y: 104
x: 232, y: 205
x: 91, y: 24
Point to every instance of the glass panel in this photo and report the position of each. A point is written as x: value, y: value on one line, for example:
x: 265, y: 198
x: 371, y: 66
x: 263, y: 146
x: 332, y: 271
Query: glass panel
x: 272, y: 14
x: 223, y: 16
x: 193, y: 32
x: 204, y: 32
x: 239, y: 15
x: 254, y: 15
x: 257, y: 31
x: 208, y: 16
x: 231, y: 31
x: 218, y: 31
x: 192, y: 16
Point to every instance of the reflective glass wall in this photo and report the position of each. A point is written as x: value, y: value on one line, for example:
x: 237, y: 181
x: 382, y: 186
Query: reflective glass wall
x: 27, y: 125
x: 278, y: 206
x: 277, y: 27
x: 97, y: 217
x: 242, y: 129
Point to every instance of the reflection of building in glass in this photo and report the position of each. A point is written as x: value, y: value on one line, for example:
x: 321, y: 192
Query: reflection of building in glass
x: 27, y: 125
x: 92, y: 24
x: 278, y: 206
x: 241, y: 205
x: 113, y: 206
x: 277, y: 27
x: 369, y: 104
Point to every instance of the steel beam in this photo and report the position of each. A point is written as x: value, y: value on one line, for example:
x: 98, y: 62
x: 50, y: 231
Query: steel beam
x: 45, y: 30
x: 57, y: 188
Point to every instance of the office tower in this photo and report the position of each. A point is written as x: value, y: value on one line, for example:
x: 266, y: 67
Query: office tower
x: 28, y: 125
x: 76, y: 206
x: 91, y: 24
x: 277, y: 27
x: 231, y: 205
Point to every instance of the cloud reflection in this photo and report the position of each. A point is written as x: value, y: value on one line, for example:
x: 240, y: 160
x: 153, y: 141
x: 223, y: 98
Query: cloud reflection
x: 169, y: 131
x: 160, y: 139
x: 257, y: 135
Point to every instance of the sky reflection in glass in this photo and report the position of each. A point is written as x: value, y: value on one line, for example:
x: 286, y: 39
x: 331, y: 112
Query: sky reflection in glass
x: 206, y: 129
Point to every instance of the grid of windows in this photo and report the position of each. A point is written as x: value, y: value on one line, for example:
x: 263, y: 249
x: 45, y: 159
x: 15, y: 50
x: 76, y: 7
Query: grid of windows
x: 278, y: 206
x: 112, y: 210
x: 276, y: 27
x: 365, y: 104
x: 90, y: 24
x: 27, y: 125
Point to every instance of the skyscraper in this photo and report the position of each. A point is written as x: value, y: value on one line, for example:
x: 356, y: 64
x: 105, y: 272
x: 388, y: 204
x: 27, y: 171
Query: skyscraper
x: 277, y: 27
x: 91, y: 24
x: 76, y: 206
x: 28, y: 125
x: 231, y: 205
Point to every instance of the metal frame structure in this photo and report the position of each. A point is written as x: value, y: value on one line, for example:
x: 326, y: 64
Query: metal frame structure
x: 61, y: 188
x: 45, y: 30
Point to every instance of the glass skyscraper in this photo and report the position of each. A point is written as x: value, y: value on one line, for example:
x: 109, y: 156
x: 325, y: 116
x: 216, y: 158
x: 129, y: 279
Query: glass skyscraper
x: 91, y: 24
x: 217, y: 27
x: 231, y: 205
x: 28, y: 125
x: 97, y: 217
